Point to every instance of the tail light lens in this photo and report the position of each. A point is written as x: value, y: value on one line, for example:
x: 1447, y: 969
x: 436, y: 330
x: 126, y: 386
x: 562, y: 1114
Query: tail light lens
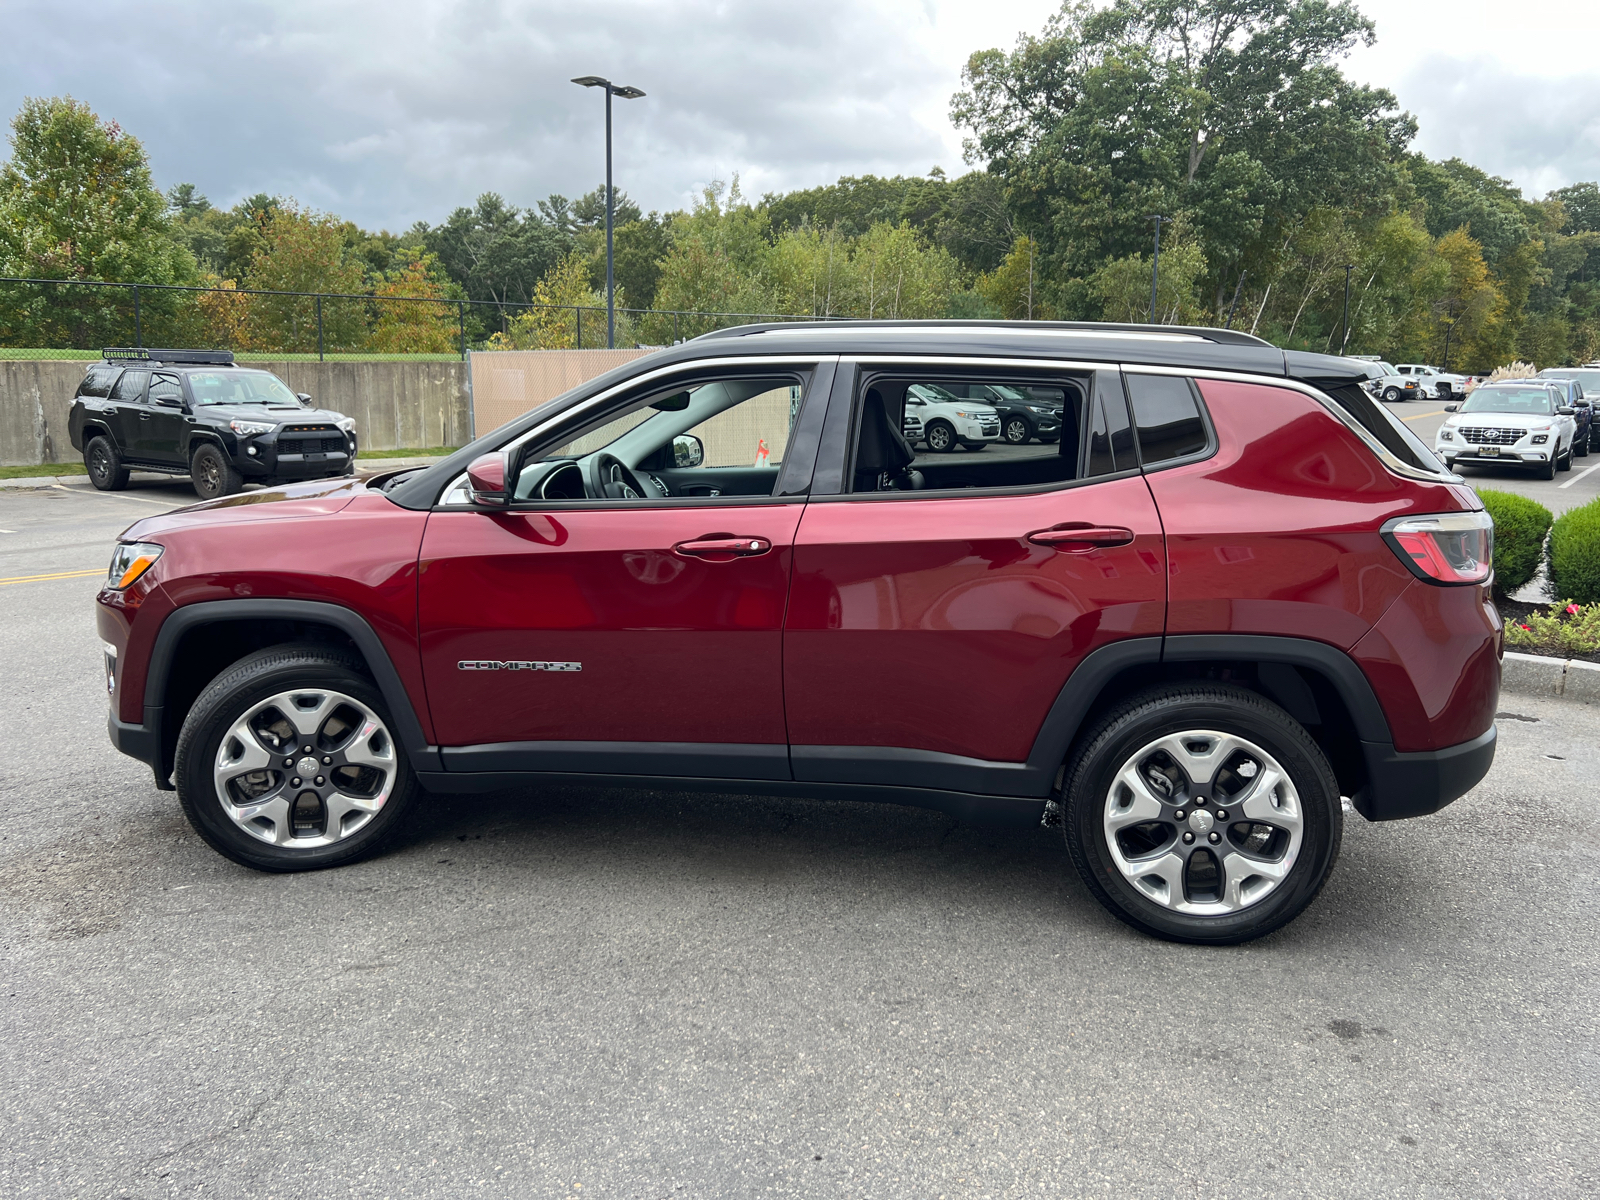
x: 1454, y: 549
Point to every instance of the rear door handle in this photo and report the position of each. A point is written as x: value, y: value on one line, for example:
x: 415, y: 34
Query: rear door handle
x: 1082, y: 538
x: 143, y: 416
x: 722, y: 545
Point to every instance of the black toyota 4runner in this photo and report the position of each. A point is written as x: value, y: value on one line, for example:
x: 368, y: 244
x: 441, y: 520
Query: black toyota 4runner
x: 196, y: 413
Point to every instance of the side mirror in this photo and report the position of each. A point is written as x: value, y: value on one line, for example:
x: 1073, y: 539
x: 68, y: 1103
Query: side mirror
x: 688, y: 451
x: 486, y: 477
x: 169, y: 402
x: 1566, y: 410
x: 1451, y: 407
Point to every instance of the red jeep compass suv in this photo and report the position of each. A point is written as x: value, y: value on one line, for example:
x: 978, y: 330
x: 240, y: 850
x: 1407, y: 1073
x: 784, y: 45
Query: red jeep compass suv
x: 1234, y: 591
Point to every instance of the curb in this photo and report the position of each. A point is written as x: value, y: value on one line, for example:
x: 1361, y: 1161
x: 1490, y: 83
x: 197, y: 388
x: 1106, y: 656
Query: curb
x: 1543, y: 676
x: 35, y: 482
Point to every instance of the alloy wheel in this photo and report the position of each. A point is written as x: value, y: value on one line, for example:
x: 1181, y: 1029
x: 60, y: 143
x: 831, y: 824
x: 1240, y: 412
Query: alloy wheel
x: 99, y: 463
x: 305, y: 768
x: 1203, y: 823
x: 1016, y: 431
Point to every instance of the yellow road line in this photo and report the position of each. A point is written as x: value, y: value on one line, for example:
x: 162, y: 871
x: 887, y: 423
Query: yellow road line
x: 1419, y: 416
x: 52, y: 575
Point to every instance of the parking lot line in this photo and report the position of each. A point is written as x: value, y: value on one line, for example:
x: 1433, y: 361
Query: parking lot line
x: 1438, y: 412
x: 111, y: 496
x: 51, y: 575
x: 1579, y: 475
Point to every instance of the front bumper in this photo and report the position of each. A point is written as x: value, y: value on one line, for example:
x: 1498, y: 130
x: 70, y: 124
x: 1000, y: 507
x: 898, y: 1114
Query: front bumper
x: 262, y: 457
x: 1508, y: 456
x: 1401, y: 785
x: 142, y: 742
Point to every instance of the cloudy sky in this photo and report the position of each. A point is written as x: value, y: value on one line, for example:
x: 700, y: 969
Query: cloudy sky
x: 389, y: 112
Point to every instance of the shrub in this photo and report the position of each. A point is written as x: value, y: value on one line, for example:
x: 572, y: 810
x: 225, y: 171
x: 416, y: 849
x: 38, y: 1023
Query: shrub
x: 1520, y: 526
x: 1565, y: 627
x: 1575, y: 554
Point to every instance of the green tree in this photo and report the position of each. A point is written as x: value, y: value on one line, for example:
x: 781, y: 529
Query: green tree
x: 1231, y: 114
x: 300, y: 250
x: 76, y: 202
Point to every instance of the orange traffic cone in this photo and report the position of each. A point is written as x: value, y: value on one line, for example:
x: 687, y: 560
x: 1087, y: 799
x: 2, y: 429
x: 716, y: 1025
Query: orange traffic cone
x: 763, y: 456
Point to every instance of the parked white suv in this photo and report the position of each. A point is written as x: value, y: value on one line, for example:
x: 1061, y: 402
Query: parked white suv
x: 944, y: 420
x: 1433, y: 380
x: 1519, y: 423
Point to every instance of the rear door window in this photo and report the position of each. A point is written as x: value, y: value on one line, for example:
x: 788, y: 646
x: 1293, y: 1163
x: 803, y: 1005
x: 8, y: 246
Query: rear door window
x: 131, y: 386
x: 1167, y: 415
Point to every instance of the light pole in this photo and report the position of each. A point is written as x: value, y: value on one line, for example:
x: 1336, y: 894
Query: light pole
x: 1345, y: 340
x: 627, y: 93
x: 1155, y: 265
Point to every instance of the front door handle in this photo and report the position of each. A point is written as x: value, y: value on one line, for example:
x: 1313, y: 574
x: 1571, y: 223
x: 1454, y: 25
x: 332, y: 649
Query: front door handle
x: 1082, y: 537
x: 143, y: 416
x: 722, y: 547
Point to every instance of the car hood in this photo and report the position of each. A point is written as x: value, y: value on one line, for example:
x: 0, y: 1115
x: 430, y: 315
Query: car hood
x: 1502, y: 420
x: 282, y: 413
x: 314, y: 498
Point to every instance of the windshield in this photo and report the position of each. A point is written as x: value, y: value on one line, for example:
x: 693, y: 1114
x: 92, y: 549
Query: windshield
x: 240, y: 387
x: 933, y: 394
x: 1534, y: 401
x: 1588, y: 380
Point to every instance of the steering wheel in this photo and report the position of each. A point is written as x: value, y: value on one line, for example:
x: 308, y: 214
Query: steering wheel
x: 608, y: 479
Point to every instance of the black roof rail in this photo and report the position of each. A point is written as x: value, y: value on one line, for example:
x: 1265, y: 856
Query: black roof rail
x: 211, y: 358
x: 1223, y: 337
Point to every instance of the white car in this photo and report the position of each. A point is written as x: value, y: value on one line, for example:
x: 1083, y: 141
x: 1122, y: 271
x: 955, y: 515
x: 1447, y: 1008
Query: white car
x: 1517, y: 423
x: 1432, y: 380
x: 944, y: 420
x: 1391, y: 385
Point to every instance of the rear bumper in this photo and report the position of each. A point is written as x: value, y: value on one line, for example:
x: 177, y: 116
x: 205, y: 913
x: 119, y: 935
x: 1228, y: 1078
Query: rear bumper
x: 1414, y: 784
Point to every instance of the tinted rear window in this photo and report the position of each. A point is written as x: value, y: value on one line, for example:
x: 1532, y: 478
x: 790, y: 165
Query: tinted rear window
x: 98, y: 381
x: 1166, y: 413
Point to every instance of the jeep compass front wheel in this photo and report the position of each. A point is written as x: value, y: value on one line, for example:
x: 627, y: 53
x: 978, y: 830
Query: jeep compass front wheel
x: 288, y: 762
x: 1202, y: 813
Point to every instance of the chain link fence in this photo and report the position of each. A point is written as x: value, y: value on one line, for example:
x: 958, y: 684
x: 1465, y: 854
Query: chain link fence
x: 71, y: 318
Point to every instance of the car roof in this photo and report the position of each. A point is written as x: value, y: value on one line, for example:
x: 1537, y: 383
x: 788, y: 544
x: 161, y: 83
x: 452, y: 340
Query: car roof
x: 1084, y: 341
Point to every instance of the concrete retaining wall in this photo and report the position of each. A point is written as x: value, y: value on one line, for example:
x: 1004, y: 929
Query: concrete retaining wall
x: 396, y: 405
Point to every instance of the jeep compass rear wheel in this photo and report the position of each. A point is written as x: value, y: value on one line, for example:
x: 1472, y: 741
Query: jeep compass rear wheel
x: 288, y: 762
x: 1202, y: 813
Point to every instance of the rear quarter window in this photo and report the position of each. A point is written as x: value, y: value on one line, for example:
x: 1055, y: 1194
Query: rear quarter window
x: 1166, y: 415
x: 98, y: 381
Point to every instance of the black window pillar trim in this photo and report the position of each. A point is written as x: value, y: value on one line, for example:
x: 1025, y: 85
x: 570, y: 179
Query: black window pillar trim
x: 150, y: 740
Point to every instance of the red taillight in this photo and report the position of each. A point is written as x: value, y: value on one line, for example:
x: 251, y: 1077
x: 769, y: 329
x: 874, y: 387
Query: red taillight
x: 1446, y: 548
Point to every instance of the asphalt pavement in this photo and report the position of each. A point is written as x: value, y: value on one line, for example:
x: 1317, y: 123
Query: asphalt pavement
x: 596, y: 992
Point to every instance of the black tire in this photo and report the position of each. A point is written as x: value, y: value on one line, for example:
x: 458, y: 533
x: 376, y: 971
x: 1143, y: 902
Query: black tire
x: 1393, y: 394
x: 230, y: 696
x: 1217, y: 708
x: 212, y: 474
x: 940, y: 436
x: 104, y: 464
x: 1017, y: 430
x: 1564, y: 463
x: 974, y: 445
x: 1546, y: 471
x: 1581, y: 449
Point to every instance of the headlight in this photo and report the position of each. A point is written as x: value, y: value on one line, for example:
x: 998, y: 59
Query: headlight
x: 129, y: 561
x: 1040, y: 408
x: 348, y: 424
x: 1447, y: 435
x: 251, y: 428
x: 1540, y: 439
